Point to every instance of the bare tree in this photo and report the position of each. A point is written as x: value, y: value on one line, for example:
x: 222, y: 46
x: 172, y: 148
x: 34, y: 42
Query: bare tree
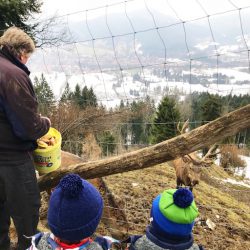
x: 52, y: 32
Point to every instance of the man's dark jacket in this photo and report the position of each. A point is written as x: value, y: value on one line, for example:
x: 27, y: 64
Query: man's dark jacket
x: 20, y: 123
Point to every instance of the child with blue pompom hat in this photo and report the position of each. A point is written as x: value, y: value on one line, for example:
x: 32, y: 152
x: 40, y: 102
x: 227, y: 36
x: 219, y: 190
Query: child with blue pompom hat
x: 172, y: 219
x: 75, y: 210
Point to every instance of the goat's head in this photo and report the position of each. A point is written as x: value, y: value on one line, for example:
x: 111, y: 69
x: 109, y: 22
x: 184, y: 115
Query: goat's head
x: 194, y: 175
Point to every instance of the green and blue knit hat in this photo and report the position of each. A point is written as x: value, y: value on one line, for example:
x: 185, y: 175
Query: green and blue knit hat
x: 174, y: 212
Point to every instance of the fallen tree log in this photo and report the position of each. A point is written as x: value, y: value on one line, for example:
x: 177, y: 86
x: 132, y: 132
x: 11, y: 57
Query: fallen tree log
x: 198, y: 138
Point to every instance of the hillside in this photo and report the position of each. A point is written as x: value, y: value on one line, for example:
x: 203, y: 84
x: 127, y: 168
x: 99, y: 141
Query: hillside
x: 226, y: 205
x: 128, y: 198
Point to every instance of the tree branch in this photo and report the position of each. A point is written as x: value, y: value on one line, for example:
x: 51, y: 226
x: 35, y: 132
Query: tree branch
x: 181, y: 145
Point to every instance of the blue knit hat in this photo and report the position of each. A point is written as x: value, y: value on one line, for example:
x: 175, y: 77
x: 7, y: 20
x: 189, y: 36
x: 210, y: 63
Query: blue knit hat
x: 174, y: 212
x: 75, y: 209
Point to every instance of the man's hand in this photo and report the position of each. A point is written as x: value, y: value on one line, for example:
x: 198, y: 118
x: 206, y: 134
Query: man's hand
x: 46, y: 118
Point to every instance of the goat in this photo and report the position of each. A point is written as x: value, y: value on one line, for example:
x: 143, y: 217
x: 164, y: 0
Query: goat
x: 188, y: 167
x: 186, y: 174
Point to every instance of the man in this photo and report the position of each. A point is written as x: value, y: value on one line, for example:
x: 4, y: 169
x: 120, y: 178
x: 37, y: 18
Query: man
x: 20, y: 126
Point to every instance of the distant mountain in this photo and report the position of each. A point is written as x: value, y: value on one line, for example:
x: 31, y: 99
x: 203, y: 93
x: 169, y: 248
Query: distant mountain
x: 132, y: 40
x: 171, y: 33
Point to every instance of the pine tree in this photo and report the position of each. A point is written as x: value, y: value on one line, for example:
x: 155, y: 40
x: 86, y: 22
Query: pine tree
x: 197, y: 100
x: 77, y: 96
x: 89, y: 97
x: 66, y: 95
x: 36, y: 82
x: 141, y: 116
x: 17, y: 13
x: 124, y: 126
x: 211, y: 108
x: 147, y: 119
x: 136, y: 123
x: 92, y: 98
x: 45, y: 96
x: 85, y: 96
x: 107, y: 141
x: 122, y: 105
x: 164, y: 124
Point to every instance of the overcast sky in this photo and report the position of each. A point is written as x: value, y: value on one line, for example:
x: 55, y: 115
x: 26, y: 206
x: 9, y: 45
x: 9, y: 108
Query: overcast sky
x: 184, y: 9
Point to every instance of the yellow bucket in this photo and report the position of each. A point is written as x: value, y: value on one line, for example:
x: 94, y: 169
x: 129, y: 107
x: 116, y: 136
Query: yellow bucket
x: 48, y: 159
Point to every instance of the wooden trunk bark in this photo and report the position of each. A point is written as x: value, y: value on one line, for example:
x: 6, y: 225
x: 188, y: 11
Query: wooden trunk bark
x: 198, y: 138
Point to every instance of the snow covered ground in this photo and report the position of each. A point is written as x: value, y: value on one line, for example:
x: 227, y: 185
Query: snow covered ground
x: 110, y: 89
x: 246, y: 170
x: 247, y: 159
x: 244, y: 183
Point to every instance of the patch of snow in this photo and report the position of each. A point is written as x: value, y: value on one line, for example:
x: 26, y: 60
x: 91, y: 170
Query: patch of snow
x: 247, y: 169
x: 239, y: 172
x: 240, y: 183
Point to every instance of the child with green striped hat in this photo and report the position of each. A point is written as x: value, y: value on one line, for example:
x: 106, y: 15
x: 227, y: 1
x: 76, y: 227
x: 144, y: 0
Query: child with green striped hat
x: 173, y: 214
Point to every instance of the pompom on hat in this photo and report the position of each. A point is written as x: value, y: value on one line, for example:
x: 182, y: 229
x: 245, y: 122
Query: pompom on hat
x: 174, y: 212
x: 75, y: 209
